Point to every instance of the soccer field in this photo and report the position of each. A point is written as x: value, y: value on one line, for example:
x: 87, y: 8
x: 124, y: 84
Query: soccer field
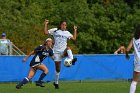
x: 70, y: 87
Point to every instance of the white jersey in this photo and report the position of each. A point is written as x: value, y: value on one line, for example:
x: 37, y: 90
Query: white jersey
x: 60, y: 38
x: 136, y: 44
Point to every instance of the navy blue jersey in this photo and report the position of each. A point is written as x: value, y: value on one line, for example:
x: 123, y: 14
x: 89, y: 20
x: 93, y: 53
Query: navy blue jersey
x: 41, y: 53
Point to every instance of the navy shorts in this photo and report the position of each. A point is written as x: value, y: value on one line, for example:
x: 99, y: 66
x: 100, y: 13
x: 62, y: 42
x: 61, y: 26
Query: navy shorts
x: 34, y: 64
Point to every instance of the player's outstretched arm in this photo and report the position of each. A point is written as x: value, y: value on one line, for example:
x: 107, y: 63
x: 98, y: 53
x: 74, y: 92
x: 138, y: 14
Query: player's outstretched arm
x: 119, y: 49
x: 31, y: 53
x: 128, y: 49
x: 46, y: 27
x: 116, y: 52
x: 75, y: 32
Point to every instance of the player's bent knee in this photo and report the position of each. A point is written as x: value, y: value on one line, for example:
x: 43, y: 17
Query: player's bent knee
x: 46, y: 71
x: 30, y: 77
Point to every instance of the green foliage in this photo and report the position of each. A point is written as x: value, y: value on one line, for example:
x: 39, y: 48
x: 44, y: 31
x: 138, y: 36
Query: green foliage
x: 102, y: 26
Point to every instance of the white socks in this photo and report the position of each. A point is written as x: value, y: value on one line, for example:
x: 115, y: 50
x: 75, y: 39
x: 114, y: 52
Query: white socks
x: 70, y: 55
x: 133, y: 87
x: 56, y: 77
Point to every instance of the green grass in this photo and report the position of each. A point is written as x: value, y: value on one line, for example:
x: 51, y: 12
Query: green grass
x: 70, y: 87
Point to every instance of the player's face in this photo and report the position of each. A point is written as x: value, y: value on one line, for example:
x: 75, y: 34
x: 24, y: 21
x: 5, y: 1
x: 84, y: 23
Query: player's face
x: 49, y: 43
x: 3, y: 37
x: 63, y: 26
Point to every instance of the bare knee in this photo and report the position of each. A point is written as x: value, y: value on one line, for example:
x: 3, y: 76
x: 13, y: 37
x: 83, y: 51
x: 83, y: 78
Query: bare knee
x: 30, y: 76
x: 31, y: 73
x: 136, y: 76
x: 46, y: 71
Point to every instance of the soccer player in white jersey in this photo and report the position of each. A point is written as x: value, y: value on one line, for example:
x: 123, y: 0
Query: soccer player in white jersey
x: 135, y: 42
x: 61, y: 35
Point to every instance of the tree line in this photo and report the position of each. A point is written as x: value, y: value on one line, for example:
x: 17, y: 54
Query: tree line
x: 103, y: 25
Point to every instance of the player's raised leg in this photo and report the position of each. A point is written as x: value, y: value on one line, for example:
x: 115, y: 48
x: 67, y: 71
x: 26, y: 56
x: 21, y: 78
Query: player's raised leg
x: 68, y: 53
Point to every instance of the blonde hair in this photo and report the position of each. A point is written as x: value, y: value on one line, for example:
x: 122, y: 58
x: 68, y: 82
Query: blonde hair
x: 48, y: 39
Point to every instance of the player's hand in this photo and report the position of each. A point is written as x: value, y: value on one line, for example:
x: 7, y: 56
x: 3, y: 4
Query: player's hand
x: 75, y: 27
x: 46, y: 22
x: 24, y: 59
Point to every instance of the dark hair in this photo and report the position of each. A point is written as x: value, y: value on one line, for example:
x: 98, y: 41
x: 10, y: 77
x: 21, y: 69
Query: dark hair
x: 137, y: 32
x: 61, y: 22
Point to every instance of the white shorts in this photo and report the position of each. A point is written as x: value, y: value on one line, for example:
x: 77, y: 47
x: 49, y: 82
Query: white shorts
x: 136, y: 66
x: 58, y: 56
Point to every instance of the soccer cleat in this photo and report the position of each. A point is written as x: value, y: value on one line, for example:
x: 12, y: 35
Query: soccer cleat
x: 73, y: 61
x: 18, y: 87
x: 39, y: 84
x: 56, y: 85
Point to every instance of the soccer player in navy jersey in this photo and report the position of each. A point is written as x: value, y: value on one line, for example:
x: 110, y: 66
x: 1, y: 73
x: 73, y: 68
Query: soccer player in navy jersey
x: 41, y: 52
